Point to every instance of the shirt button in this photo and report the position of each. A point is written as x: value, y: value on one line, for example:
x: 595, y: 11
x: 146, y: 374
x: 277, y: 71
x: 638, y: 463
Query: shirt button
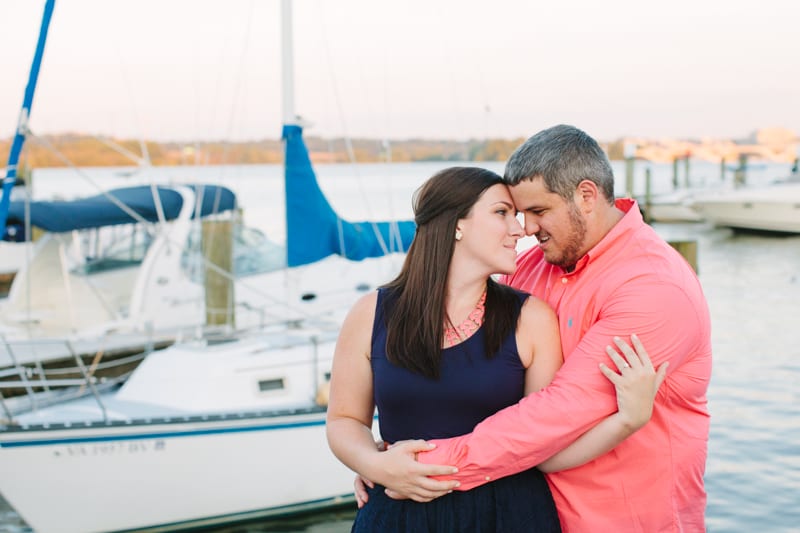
x: 564, y: 280
x: 488, y: 478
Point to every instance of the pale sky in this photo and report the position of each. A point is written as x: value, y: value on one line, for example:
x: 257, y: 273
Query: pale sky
x: 209, y: 69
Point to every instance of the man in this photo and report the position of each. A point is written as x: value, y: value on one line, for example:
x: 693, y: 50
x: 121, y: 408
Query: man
x: 606, y: 274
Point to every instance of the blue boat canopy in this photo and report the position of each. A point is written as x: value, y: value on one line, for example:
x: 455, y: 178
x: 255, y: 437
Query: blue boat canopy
x: 99, y: 211
x: 315, y: 231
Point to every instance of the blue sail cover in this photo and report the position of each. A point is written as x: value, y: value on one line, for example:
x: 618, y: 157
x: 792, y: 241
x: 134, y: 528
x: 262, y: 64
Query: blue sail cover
x: 314, y: 230
x: 98, y: 211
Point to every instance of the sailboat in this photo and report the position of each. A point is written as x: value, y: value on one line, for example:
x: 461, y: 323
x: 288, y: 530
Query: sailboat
x: 213, y: 430
x: 90, y: 289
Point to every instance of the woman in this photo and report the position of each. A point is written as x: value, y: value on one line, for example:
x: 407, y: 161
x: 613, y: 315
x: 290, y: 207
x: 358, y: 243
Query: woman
x: 442, y: 347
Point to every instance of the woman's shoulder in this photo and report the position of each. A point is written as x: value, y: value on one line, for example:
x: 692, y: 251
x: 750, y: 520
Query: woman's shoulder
x: 364, y: 308
x: 535, y: 310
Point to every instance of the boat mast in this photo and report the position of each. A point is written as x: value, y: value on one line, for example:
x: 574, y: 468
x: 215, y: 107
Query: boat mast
x: 24, y: 116
x: 287, y: 64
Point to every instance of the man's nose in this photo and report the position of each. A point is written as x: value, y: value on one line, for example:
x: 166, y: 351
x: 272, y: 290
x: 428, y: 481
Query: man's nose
x: 531, y: 225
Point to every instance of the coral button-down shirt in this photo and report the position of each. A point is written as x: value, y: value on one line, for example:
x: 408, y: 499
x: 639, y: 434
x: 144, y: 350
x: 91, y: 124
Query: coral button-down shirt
x: 630, y: 282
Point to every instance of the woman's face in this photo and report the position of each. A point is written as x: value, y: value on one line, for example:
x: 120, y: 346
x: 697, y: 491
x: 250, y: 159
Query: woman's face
x: 490, y: 232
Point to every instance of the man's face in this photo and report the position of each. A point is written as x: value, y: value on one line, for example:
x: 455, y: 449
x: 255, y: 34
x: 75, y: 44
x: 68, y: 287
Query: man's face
x: 557, y: 224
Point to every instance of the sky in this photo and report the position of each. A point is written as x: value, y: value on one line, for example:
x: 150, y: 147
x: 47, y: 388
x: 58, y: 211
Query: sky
x: 182, y: 70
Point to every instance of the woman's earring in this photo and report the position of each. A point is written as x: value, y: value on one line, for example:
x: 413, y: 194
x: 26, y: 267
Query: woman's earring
x: 458, y: 235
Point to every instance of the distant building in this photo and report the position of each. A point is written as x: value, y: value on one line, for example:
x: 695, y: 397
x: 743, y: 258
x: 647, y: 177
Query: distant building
x: 766, y: 144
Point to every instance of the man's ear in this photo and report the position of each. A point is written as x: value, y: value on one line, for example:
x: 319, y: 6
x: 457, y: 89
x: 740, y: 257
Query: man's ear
x: 587, y: 195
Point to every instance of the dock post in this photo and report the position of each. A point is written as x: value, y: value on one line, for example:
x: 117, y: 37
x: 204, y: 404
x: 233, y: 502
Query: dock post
x: 218, y: 255
x: 686, y: 161
x: 629, y: 152
x: 675, y: 172
x: 740, y: 174
x: 688, y: 249
x: 648, y: 197
x: 722, y: 169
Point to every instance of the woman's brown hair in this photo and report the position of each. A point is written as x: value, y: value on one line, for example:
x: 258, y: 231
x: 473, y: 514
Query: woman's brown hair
x: 414, y: 307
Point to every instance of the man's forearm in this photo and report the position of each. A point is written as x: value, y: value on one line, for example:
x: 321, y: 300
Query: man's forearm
x: 516, y: 438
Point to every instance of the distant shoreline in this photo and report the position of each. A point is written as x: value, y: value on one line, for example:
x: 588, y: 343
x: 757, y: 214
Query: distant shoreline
x: 84, y: 150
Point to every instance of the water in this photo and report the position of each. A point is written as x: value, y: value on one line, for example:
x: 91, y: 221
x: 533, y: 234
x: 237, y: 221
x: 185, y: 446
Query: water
x: 752, y: 283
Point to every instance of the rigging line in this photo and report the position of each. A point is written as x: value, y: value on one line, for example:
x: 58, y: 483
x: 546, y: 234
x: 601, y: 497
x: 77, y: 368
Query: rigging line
x: 237, y: 90
x: 348, y: 142
x: 140, y: 161
x: 487, y: 106
x: 136, y: 118
x: 128, y: 211
x: 448, y: 64
x: 386, y: 145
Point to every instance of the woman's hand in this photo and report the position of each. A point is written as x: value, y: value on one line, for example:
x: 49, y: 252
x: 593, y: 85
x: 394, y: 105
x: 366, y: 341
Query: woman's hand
x: 405, y: 478
x: 637, y: 382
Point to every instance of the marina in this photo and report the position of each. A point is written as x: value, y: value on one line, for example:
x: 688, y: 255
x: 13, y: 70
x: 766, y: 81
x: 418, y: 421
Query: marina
x: 752, y: 282
x: 215, y: 418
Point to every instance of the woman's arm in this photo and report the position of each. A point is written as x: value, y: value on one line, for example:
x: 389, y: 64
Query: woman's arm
x: 538, y: 344
x: 636, y: 386
x: 350, y: 412
x: 350, y: 408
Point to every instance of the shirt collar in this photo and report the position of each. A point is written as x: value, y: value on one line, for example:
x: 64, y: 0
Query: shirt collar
x: 631, y: 219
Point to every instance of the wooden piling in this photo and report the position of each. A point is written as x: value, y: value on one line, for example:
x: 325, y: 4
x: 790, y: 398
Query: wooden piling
x: 686, y: 164
x: 688, y: 249
x: 648, y: 196
x: 740, y: 174
x: 629, y: 177
x: 675, y: 172
x: 629, y: 151
x: 218, y: 251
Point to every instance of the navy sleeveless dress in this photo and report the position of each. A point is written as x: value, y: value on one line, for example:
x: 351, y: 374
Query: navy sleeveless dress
x: 471, y: 387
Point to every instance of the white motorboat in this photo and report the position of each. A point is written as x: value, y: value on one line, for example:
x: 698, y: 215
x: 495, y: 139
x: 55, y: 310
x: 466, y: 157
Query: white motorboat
x: 774, y: 207
x: 673, y: 206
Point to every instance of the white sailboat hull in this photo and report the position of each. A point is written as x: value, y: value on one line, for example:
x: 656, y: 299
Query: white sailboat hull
x: 129, y: 477
x: 200, y: 433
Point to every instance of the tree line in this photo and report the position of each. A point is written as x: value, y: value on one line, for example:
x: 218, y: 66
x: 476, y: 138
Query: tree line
x: 88, y: 151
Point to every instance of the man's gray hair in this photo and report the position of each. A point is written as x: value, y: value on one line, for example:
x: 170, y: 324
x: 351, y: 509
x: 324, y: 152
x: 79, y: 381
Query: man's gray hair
x: 562, y: 156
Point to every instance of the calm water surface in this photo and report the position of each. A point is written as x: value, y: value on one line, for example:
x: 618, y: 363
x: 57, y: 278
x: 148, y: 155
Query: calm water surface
x: 752, y: 283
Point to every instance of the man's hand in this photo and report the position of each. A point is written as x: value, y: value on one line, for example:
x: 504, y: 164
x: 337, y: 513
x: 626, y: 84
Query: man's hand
x: 360, y: 488
x: 405, y: 478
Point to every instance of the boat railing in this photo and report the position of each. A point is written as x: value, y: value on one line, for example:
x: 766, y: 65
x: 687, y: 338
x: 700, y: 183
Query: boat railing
x: 26, y: 387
